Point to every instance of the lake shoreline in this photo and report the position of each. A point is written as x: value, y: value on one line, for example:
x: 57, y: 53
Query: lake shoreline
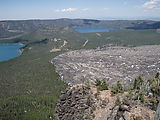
x: 94, y: 29
x: 11, y: 51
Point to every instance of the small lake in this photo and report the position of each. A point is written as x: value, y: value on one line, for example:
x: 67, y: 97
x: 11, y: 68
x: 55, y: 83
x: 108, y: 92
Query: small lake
x: 88, y: 30
x: 9, y: 51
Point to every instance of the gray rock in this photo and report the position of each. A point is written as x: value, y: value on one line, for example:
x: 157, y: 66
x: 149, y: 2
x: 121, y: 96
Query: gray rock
x: 157, y: 116
x: 124, y: 108
x: 112, y: 64
x: 114, y: 113
x: 73, y: 105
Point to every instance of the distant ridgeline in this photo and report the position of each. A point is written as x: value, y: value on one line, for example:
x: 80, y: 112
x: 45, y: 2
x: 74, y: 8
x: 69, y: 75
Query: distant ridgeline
x: 27, y: 25
x: 145, y: 25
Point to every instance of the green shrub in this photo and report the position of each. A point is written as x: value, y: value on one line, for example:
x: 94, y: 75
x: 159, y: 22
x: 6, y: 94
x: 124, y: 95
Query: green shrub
x: 155, y: 85
x: 130, y: 94
x: 138, y: 118
x: 117, y: 102
x: 157, y: 75
x: 98, y: 82
x: 140, y: 96
x: 154, y: 103
x: 118, y: 88
x: 101, y: 84
x: 138, y: 82
x: 155, y: 90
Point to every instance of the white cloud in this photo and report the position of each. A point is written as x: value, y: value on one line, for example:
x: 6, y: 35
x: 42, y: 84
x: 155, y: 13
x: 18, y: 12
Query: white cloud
x: 151, y: 4
x: 66, y: 10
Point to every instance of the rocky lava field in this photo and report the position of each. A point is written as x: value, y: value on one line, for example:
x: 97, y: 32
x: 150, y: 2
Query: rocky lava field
x: 111, y: 64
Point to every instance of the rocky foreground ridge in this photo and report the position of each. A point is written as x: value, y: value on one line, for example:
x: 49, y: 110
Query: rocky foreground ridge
x: 98, y: 102
x: 112, y: 64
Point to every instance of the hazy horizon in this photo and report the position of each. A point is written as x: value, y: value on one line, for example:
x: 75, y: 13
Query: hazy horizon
x: 82, y: 9
x: 138, y: 18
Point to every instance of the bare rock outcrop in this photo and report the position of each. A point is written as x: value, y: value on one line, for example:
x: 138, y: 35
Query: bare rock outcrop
x: 75, y: 103
x: 82, y: 102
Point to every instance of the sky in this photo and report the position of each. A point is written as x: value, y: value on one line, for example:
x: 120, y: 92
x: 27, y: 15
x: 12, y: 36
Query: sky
x: 90, y: 9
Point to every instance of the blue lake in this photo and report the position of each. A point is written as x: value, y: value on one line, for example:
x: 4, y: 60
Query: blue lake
x: 9, y: 51
x: 88, y: 30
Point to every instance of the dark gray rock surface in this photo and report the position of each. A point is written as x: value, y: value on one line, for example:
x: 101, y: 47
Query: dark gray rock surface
x: 111, y: 64
x: 75, y: 103
x: 157, y: 116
